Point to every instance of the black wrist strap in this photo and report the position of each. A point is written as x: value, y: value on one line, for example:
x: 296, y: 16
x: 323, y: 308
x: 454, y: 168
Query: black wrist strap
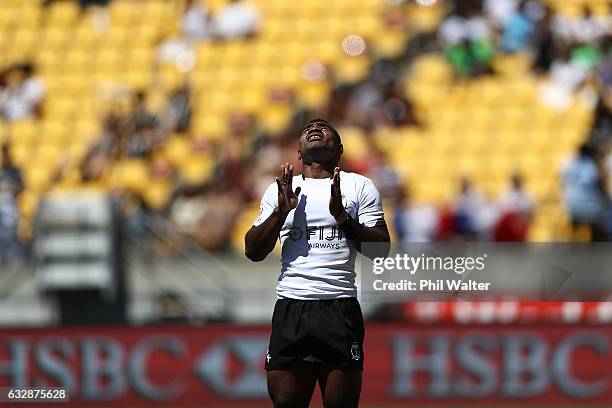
x: 351, y: 228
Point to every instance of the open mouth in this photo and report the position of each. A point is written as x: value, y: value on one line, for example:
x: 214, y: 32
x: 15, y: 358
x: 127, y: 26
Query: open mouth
x: 314, y: 135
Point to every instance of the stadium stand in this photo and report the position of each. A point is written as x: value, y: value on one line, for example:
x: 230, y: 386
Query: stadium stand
x: 244, y: 95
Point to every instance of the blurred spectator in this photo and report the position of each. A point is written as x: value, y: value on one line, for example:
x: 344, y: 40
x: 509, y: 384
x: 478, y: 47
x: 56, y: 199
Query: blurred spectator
x: 10, y: 175
x: 83, y: 3
x: 468, y: 209
x: 518, y: 29
x: 94, y: 164
x: 585, y: 194
x: 383, y: 173
x: 22, y: 94
x: 195, y: 22
x: 11, y: 184
x: 141, y: 117
x: 237, y: 19
x: 465, y: 37
x: 10, y: 247
x: 3, y: 91
x: 414, y: 222
x: 566, y: 75
x: 397, y: 110
x: 373, y: 104
x: 207, y: 218
x: 544, y: 43
x: 602, y: 124
x: 144, y: 128
x: 516, y: 199
x: 587, y: 29
x: 500, y: 12
x: 566, y: 72
x: 109, y: 138
x: 362, y: 104
x: 177, y: 114
x: 515, y: 208
x: 108, y: 146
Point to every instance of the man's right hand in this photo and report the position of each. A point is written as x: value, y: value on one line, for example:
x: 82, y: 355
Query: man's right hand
x: 287, y: 198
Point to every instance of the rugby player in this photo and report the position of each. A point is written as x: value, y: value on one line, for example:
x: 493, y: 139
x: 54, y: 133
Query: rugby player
x: 317, y: 324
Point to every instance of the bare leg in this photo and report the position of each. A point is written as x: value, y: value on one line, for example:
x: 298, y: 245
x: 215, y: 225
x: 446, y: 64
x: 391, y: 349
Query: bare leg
x: 292, y: 387
x: 340, y: 387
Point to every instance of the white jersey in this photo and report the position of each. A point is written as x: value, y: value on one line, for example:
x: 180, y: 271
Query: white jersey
x: 316, y: 260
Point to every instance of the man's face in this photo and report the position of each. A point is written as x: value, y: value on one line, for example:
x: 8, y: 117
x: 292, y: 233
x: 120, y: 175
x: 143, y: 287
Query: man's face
x: 318, y: 141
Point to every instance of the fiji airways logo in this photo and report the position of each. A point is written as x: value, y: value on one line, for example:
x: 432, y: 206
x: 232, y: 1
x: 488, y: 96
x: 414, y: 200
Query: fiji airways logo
x: 319, y: 237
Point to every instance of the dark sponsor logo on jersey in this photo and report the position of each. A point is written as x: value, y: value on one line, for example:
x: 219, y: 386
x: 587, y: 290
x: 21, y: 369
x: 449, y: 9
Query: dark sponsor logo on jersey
x: 296, y: 233
x: 325, y: 233
x: 317, y: 232
x: 318, y: 236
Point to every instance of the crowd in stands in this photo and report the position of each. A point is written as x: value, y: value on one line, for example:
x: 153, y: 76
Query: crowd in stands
x: 570, y: 52
x: 471, y: 217
x: 21, y: 93
x: 237, y: 19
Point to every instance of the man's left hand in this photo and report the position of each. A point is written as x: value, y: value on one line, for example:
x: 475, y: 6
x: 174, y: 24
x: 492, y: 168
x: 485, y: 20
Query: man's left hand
x: 336, y: 209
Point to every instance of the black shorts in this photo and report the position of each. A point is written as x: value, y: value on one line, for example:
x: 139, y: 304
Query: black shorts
x: 328, y: 332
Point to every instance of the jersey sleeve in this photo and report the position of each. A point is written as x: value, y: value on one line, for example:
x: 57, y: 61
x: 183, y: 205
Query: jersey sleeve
x: 269, y: 202
x: 370, y: 212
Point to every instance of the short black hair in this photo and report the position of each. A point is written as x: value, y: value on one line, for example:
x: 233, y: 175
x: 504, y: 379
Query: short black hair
x: 319, y: 120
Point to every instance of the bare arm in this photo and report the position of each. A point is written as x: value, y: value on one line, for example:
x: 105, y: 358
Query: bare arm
x: 260, y: 240
x: 373, y: 242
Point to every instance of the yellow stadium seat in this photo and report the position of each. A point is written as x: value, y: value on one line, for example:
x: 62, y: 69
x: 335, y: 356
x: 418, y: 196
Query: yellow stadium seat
x: 158, y: 194
x: 53, y: 38
x: 355, y: 142
x: 274, y: 119
x: 176, y: 150
x: 390, y: 43
x: 243, y: 224
x: 122, y: 12
x: 62, y: 13
x: 129, y: 174
x: 48, y: 154
x: 28, y: 202
x: 196, y: 169
x: 37, y: 177
x: 23, y: 131
x: 350, y: 70
x: 212, y: 127
x: 425, y: 19
x: 314, y: 94
x: 252, y: 101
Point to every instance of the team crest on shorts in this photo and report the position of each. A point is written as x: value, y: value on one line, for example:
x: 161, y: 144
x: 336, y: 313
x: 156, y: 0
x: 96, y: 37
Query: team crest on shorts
x: 355, y: 352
